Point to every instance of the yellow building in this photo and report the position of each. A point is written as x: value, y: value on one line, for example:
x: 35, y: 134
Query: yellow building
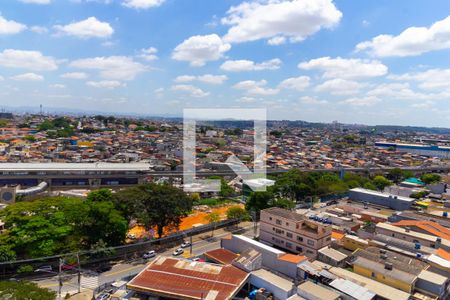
x: 353, y: 243
x: 388, y: 267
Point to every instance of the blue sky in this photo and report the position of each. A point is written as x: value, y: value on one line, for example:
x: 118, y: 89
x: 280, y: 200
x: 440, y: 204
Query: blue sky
x: 370, y: 62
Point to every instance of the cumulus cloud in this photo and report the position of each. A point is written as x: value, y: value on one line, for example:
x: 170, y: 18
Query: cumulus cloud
x: 248, y: 65
x: 149, y: 54
x: 89, y: 28
x: 296, y: 83
x: 252, y: 87
x: 111, y: 67
x: 246, y: 99
x: 8, y: 27
x: 36, y: 1
x: 412, y: 41
x: 293, y: 19
x: 28, y: 77
x: 142, y: 4
x: 207, y: 78
x: 276, y: 40
x: 340, y: 86
x: 345, y: 68
x: 397, y: 91
x: 32, y: 60
x: 57, y: 86
x: 361, y: 101
x: 429, y: 79
x: 106, y: 84
x: 193, y: 91
x: 75, y: 75
x: 200, y: 49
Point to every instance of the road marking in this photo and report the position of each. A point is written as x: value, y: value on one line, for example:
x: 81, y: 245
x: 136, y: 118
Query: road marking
x: 124, y: 270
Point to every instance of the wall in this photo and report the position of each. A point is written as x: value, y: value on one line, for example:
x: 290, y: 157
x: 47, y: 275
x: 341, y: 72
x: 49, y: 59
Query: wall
x: 383, y: 279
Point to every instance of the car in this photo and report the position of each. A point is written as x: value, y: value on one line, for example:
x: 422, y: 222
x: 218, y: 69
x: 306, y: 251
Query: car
x: 47, y: 269
x: 103, y: 296
x: 185, y: 244
x: 149, y: 254
x: 196, y: 259
x: 102, y: 268
x: 177, y: 252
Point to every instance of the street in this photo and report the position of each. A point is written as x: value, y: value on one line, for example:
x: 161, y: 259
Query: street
x: 126, y: 269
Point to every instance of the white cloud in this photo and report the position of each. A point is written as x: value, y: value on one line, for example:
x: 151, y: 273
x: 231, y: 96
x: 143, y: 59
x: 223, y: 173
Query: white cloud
x: 423, y: 105
x: 192, y: 90
x: 362, y: 101
x: 89, y: 28
x: 429, y: 79
x: 201, y: 48
x: 297, y: 83
x: 28, y: 77
x: 345, y: 68
x: 75, y: 75
x: 412, y: 41
x: 149, y: 54
x: 36, y: 1
x: 248, y: 65
x: 340, y: 86
x: 276, y: 40
x: 396, y: 91
x: 10, y: 27
x: 111, y: 67
x: 57, y: 86
x: 207, y: 78
x: 39, y: 29
x: 1, y: 78
x: 32, y: 60
x: 142, y: 4
x: 255, y: 87
x: 106, y: 84
x: 312, y: 100
x: 294, y: 19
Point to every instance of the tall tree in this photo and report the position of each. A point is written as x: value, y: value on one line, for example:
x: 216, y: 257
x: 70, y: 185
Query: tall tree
x: 213, y: 218
x: 24, y: 290
x: 100, y: 195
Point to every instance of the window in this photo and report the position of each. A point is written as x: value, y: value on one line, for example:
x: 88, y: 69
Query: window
x: 289, y: 235
x: 278, y: 222
x: 299, y: 238
x: 309, y: 252
x: 288, y: 245
x: 278, y: 231
x: 270, y: 218
x: 299, y: 249
x: 310, y: 242
x: 373, y: 275
x: 287, y: 223
x: 328, y: 239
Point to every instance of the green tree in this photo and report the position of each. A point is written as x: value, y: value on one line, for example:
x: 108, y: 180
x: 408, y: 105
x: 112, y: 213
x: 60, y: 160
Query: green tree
x: 7, y: 254
x: 155, y: 205
x: 259, y: 201
x: 381, y: 182
x: 100, y: 195
x: 396, y: 174
x: 430, y: 178
x: 370, y: 186
x: 24, y: 290
x: 213, y: 218
x: 284, y: 203
x: 236, y: 212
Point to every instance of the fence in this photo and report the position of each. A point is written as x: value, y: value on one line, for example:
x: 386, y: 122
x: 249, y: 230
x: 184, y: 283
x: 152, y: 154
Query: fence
x: 107, y: 255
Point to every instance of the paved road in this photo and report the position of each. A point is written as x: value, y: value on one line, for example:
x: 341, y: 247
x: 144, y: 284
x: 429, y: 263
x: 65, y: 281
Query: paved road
x: 125, y: 269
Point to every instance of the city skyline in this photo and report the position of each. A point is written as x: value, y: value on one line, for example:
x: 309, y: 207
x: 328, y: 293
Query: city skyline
x: 318, y: 61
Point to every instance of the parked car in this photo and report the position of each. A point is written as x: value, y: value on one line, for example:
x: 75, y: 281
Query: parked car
x: 149, y: 254
x: 185, y: 244
x: 177, y: 252
x: 102, y: 268
x: 103, y: 296
x: 47, y: 269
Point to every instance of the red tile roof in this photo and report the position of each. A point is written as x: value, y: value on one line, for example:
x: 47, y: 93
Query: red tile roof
x: 430, y: 227
x: 183, y: 279
x: 221, y: 256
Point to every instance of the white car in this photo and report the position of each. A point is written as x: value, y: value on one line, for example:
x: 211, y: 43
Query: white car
x: 185, y: 244
x: 177, y: 252
x: 149, y: 254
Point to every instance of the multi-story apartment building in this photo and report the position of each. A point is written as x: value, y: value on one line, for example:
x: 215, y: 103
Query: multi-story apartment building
x: 293, y: 232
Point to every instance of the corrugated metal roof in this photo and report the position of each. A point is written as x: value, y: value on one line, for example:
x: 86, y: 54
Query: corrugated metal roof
x: 183, y: 279
x: 352, y: 289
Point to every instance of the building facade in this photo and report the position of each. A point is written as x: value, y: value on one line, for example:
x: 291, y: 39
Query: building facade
x: 293, y: 232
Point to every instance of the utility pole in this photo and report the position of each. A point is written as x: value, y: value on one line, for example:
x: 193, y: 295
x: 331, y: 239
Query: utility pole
x: 79, y: 272
x: 59, y: 278
x: 190, y: 241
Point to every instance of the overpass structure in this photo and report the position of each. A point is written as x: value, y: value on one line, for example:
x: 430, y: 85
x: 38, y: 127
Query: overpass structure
x: 91, y: 175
